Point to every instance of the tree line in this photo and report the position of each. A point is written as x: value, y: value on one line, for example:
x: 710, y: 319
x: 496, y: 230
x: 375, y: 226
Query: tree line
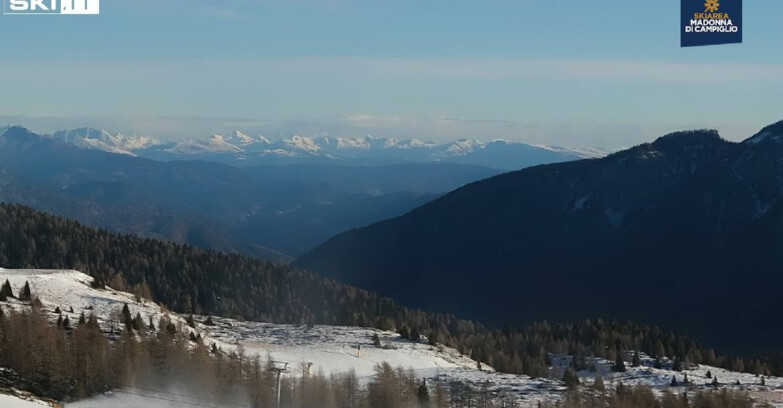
x: 190, y: 280
x: 165, y: 361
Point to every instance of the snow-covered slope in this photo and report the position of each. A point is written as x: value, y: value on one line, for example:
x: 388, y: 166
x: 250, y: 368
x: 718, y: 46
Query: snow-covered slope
x: 214, y: 144
x: 21, y: 401
x: 87, y: 138
x: 333, y: 349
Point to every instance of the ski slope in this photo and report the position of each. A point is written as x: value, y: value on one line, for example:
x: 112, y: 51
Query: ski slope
x: 334, y: 349
x: 14, y: 401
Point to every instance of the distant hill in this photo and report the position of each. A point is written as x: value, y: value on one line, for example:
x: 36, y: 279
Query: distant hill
x: 263, y: 211
x: 686, y: 232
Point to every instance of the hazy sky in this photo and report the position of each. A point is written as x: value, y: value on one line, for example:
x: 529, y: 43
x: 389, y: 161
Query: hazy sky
x: 603, y: 73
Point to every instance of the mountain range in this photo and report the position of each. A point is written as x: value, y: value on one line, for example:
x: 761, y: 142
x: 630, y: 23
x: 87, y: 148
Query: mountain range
x: 685, y: 231
x: 240, y: 149
x: 273, y: 212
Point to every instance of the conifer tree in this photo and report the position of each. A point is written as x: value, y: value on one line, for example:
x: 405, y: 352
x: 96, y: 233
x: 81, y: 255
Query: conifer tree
x: 6, y: 292
x: 25, y: 293
x: 637, y: 361
x: 138, y: 323
x: 674, y: 381
x: 570, y: 378
x: 404, y: 333
x: 677, y: 364
x: 423, y: 394
x: 619, y: 364
x: 127, y: 320
x: 432, y: 339
x: 598, y: 383
x: 414, y: 334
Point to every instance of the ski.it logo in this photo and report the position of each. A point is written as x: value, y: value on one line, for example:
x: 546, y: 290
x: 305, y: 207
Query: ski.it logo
x: 32, y: 7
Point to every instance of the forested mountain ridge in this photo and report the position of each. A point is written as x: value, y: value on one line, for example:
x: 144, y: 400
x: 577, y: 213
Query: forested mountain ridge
x: 672, y: 228
x: 189, y: 280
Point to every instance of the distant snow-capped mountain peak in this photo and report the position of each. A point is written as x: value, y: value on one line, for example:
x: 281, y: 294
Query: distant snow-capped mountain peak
x: 89, y: 138
x: 214, y: 144
x: 238, y: 138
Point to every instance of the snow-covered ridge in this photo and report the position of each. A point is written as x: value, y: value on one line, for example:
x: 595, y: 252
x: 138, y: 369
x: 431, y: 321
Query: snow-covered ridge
x: 87, y: 138
x: 244, y: 146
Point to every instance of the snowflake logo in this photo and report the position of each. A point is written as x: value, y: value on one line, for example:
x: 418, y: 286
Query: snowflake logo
x: 711, y: 6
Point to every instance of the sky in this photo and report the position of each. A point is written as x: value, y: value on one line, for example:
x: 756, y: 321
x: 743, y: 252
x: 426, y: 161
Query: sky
x: 605, y: 73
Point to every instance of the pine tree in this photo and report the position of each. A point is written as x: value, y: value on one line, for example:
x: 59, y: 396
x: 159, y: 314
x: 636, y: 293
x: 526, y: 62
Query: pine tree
x: 138, y: 323
x: 715, y: 380
x: 598, y: 383
x: 127, y: 320
x: 404, y: 333
x: 376, y: 341
x: 709, y: 374
x: 423, y: 394
x: 657, y: 364
x: 570, y: 378
x: 677, y: 364
x: 190, y: 321
x: 763, y: 381
x: 619, y: 364
x: 25, y: 293
x: 414, y: 334
x: 674, y: 381
x: 432, y: 339
x: 685, y: 380
x: 209, y: 321
x: 6, y: 292
x: 637, y: 361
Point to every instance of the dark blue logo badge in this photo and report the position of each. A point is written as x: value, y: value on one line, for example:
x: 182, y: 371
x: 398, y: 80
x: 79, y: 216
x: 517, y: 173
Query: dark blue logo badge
x: 710, y: 22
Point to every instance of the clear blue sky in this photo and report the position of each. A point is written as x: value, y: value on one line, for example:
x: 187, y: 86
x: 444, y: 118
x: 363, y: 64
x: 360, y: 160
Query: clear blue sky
x: 602, y: 73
